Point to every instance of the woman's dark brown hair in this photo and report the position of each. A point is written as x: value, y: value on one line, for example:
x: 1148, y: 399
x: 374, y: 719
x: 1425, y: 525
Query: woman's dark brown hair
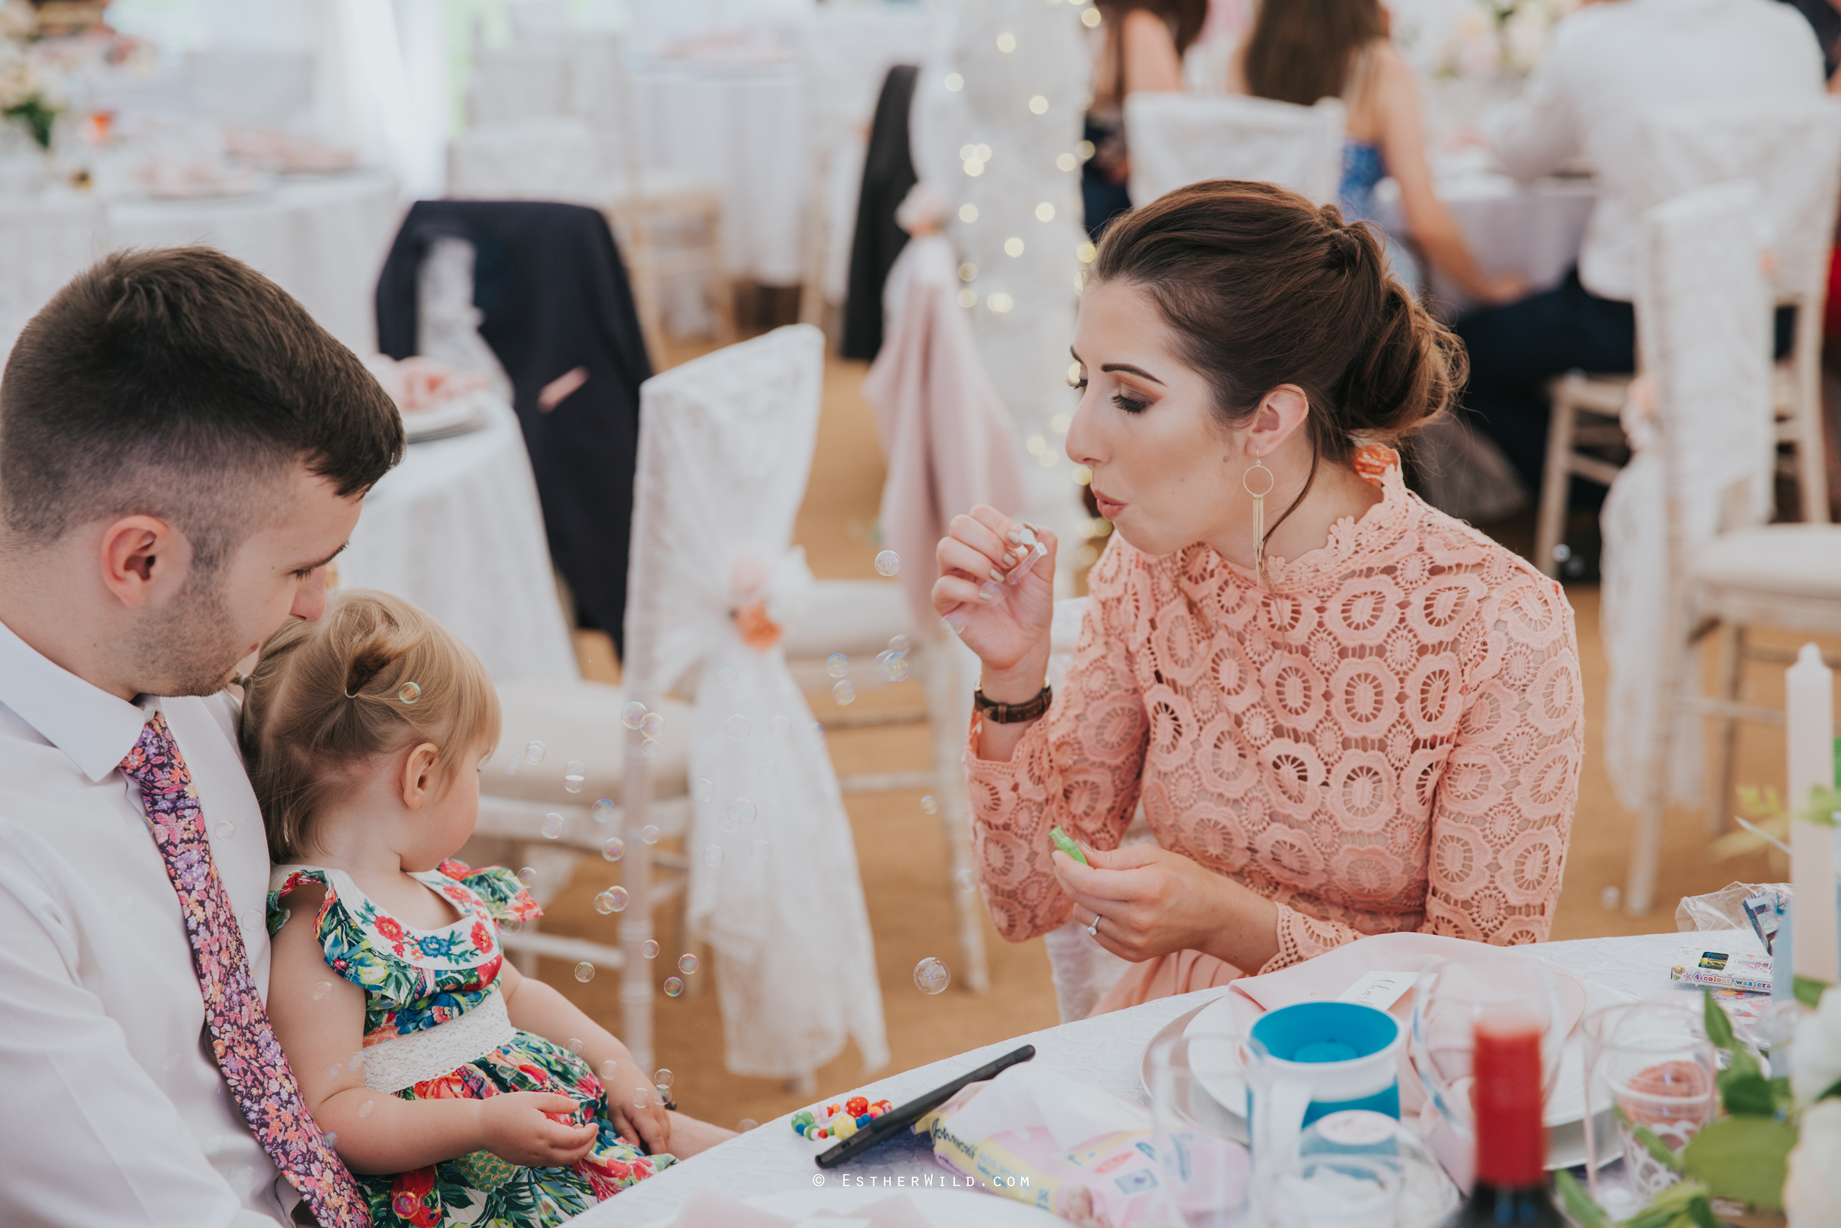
x: 1302, y: 50
x: 1264, y: 288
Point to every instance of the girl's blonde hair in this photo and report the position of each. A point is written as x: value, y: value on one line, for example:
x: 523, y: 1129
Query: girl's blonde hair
x: 373, y: 675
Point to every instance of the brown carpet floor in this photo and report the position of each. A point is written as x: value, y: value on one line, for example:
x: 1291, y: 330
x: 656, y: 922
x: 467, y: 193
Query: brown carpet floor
x: 903, y: 855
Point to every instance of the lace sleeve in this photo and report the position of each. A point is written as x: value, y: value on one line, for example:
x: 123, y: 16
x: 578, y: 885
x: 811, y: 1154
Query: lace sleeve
x: 1079, y: 767
x: 1502, y: 801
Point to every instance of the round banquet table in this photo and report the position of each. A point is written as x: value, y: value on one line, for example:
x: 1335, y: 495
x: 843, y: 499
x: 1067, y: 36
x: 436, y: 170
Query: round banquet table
x: 1106, y: 1051
x: 322, y: 238
x: 743, y: 128
x: 1534, y: 230
x: 457, y: 529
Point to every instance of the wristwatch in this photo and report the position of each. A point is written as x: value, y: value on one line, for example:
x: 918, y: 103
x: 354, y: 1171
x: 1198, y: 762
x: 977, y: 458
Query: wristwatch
x: 1011, y: 714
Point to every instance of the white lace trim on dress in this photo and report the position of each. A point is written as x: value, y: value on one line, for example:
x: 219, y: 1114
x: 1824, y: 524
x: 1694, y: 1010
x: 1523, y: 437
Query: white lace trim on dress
x: 403, y: 1061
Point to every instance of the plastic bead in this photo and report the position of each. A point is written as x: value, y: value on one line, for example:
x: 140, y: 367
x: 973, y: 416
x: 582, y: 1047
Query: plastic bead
x: 803, y: 1117
x: 856, y: 1106
x: 863, y: 1121
x: 846, y: 1128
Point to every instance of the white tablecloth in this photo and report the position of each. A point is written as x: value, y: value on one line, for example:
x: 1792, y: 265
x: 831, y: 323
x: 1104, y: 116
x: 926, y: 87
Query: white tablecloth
x: 745, y: 129
x: 1107, y: 1051
x: 1535, y: 231
x: 322, y: 238
x: 456, y: 528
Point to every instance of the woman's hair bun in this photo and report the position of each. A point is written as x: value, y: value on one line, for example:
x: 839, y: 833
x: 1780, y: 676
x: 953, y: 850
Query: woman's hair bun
x: 1265, y: 288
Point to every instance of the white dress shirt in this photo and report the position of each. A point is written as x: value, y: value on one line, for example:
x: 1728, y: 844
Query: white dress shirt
x: 116, y: 1113
x: 1609, y: 63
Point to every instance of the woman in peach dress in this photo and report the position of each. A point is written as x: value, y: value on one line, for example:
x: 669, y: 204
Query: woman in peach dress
x: 1344, y: 712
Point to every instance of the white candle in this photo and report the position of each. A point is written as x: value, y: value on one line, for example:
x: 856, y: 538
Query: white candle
x: 1809, y: 711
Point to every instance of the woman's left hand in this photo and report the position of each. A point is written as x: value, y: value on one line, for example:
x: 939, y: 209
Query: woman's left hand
x: 1145, y: 901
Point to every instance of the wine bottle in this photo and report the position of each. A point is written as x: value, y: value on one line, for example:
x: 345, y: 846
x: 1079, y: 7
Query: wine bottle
x: 1511, y: 1186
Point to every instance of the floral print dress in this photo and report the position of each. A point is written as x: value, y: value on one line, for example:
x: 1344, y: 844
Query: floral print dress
x: 416, y: 979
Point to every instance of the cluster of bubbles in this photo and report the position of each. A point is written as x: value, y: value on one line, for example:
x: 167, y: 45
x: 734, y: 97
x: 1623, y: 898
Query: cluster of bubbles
x: 888, y: 563
x: 611, y: 900
x: 893, y: 660
x: 931, y: 976
x: 845, y: 691
x: 584, y: 972
x: 634, y: 715
x: 662, y: 1079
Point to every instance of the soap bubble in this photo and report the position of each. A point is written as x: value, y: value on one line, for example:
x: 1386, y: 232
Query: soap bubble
x: 533, y: 754
x: 712, y: 855
x: 511, y: 927
x: 990, y: 590
x: 895, y: 667
x: 648, y: 834
x: 409, y: 692
x: 837, y: 665
x: 738, y: 727
x: 761, y: 850
x: 609, y: 1069
x: 334, y: 1071
x: 633, y: 715
x: 725, y: 677
x: 648, y: 748
x: 687, y: 964
x: 642, y: 1096
x: 728, y: 822
x: 702, y: 789
x: 663, y: 1079
x: 552, y: 826
x: 744, y: 811
x: 673, y: 987
x: 767, y: 769
x: 780, y: 726
x: 511, y: 769
x: 611, y: 900
x: 527, y: 875
x: 355, y: 1061
x: 367, y: 1108
x: 818, y: 733
x: 649, y: 948
x: 746, y: 1124
x: 931, y: 976
x: 603, y: 810
x: 242, y: 1177
x: 930, y: 804
x: 888, y: 563
x: 1610, y: 898
x: 963, y: 880
x: 224, y: 830
x: 843, y: 693
x: 573, y: 774
x: 332, y: 1138
x: 576, y: 1046
x: 653, y: 725
x: 900, y: 644
x: 321, y: 989
x: 584, y: 972
x: 614, y: 849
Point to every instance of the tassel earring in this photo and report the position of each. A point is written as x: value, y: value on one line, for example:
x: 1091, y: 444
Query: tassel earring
x: 1259, y: 514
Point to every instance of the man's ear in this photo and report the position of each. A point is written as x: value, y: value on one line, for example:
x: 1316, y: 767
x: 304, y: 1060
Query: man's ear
x: 419, y: 775
x: 142, y: 555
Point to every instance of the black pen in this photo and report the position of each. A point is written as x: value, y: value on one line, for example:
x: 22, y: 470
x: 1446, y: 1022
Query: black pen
x: 911, y: 1112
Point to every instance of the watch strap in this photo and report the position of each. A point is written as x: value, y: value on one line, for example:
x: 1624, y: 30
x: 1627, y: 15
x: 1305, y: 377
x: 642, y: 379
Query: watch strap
x: 1011, y: 714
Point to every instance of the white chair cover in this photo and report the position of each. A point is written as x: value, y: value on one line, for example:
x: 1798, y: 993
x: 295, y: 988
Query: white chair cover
x: 1179, y: 139
x: 1792, y: 152
x: 555, y: 157
x: 1703, y: 462
x: 725, y: 446
x: 949, y: 444
x: 519, y: 82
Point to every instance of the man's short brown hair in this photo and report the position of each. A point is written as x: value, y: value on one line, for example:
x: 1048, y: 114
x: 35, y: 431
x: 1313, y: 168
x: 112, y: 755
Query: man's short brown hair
x: 166, y: 382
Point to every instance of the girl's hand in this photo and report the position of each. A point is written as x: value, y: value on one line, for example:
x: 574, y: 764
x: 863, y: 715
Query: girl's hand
x: 1151, y: 902
x: 647, y: 1120
x: 999, y: 595
x: 520, y: 1127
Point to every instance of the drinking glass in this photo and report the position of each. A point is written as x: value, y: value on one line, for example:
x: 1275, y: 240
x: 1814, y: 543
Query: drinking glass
x: 1455, y: 995
x: 1205, y: 1170
x: 1356, y: 1169
x: 1647, y: 1063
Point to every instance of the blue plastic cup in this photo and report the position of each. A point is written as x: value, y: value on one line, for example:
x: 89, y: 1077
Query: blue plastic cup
x: 1312, y: 1059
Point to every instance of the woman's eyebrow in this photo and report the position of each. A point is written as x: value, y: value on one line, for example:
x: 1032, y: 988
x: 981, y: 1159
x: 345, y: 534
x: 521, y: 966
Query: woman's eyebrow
x: 1128, y: 368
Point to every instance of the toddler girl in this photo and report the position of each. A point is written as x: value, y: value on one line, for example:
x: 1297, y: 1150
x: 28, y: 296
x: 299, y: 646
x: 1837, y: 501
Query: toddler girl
x: 456, y: 1090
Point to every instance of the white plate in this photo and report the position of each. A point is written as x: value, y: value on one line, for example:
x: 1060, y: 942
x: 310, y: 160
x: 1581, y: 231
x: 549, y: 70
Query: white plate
x: 948, y: 1208
x: 1564, y: 1118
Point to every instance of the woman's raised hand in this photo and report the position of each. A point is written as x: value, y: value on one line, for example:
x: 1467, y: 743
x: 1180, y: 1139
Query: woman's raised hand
x: 997, y: 590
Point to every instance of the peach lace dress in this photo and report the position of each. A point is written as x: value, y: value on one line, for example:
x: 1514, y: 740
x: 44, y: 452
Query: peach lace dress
x: 1386, y: 737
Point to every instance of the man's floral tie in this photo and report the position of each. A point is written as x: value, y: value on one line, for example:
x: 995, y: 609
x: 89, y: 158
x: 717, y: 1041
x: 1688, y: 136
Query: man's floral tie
x: 245, y: 1044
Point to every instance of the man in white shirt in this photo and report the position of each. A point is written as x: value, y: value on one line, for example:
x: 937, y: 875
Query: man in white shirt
x: 182, y: 452
x: 1609, y: 63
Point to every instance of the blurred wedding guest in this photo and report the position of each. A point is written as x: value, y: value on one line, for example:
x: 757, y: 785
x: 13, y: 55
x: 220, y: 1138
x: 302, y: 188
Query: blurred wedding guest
x: 1140, y: 48
x: 1304, y: 50
x: 1610, y: 62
